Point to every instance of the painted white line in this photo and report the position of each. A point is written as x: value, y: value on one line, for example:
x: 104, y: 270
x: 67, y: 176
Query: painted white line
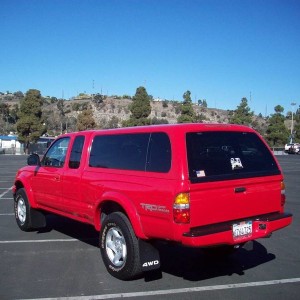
x: 7, y: 214
x: 7, y: 198
x: 177, y: 291
x: 7, y: 190
x: 39, y: 241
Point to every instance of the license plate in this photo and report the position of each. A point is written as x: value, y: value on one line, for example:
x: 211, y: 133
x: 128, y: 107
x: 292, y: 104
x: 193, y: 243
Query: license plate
x: 242, y: 230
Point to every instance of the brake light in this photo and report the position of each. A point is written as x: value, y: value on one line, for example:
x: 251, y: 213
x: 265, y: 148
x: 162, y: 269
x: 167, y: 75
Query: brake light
x: 181, y: 208
x: 282, y: 193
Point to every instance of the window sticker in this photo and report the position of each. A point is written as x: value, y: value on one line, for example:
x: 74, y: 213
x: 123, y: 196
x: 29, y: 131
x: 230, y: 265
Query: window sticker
x: 200, y: 173
x: 236, y: 163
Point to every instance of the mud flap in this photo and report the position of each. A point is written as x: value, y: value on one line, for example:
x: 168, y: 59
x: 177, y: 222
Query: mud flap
x: 37, y: 219
x: 149, y: 256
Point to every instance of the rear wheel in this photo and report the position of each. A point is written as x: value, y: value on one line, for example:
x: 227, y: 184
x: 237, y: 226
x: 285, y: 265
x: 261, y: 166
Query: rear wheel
x: 119, y: 247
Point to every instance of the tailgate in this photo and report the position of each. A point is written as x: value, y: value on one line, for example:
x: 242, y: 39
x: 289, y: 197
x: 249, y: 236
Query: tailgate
x: 233, y: 176
x: 215, y: 202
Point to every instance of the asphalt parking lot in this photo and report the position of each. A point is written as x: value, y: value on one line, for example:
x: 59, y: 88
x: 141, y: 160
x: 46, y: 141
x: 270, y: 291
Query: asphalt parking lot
x: 63, y: 261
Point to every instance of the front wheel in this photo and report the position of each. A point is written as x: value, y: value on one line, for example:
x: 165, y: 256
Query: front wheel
x: 22, y: 210
x: 119, y: 247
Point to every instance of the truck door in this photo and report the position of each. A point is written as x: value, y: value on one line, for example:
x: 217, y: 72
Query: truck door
x: 47, y: 180
x: 73, y: 201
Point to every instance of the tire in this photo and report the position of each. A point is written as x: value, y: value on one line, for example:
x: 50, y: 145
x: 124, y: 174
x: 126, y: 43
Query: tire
x: 22, y: 210
x: 119, y: 247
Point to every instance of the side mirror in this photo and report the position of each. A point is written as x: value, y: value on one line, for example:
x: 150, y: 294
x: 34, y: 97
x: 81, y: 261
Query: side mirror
x: 33, y: 160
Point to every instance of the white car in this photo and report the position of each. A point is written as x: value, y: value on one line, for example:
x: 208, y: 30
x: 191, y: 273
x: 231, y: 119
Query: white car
x: 292, y: 148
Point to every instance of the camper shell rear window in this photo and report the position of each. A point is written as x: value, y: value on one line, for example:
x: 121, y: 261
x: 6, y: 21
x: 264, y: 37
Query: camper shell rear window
x: 223, y: 155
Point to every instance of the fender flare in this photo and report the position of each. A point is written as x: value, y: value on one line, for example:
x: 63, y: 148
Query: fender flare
x: 21, y: 182
x: 128, y: 207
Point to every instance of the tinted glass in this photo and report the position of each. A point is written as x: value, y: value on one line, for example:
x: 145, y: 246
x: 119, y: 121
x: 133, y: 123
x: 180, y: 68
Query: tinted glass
x: 141, y: 152
x: 76, y: 152
x: 126, y: 151
x: 228, y: 155
x: 159, y: 153
x: 56, y: 155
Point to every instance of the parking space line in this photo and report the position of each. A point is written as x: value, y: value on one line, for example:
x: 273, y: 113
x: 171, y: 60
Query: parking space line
x: 39, y: 241
x: 177, y: 291
x: 5, y: 192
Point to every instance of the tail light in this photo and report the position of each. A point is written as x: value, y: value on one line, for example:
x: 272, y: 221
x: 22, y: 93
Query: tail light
x: 181, y: 208
x: 282, y: 193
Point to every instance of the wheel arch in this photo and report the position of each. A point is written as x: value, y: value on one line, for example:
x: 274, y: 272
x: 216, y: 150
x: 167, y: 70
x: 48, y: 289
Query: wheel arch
x: 19, y: 184
x: 114, y: 202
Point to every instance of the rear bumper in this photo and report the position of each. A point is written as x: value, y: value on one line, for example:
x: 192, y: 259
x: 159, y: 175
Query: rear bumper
x: 221, y: 233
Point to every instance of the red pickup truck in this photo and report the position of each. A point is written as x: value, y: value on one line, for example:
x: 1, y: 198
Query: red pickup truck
x: 200, y: 185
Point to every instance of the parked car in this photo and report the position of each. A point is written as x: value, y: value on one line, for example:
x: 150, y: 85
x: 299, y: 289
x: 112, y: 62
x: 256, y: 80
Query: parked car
x: 287, y: 147
x: 293, y: 148
x: 199, y: 185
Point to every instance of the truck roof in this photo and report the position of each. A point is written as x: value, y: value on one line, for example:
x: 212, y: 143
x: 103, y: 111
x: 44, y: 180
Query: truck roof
x: 184, y: 127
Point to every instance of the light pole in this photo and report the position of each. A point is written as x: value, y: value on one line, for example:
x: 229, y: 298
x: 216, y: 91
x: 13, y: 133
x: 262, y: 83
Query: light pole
x: 292, y: 126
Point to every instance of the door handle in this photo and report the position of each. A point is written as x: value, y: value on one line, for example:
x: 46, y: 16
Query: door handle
x: 56, y: 178
x: 239, y: 189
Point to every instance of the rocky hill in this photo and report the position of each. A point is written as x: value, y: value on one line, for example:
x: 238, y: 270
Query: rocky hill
x: 118, y: 109
x: 112, y: 111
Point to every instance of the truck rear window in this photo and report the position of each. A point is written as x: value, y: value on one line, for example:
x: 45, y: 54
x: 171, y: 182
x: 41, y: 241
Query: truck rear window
x: 228, y: 155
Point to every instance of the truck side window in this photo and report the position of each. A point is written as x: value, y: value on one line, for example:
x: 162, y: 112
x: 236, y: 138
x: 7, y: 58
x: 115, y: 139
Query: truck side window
x: 76, y: 152
x: 139, y: 152
x: 159, y: 153
x: 122, y: 151
x: 56, y: 154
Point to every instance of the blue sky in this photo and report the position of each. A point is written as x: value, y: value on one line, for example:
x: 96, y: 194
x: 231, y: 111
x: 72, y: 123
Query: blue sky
x: 220, y: 50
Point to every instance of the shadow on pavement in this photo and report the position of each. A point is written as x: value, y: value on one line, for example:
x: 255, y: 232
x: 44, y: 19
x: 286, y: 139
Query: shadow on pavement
x: 189, y: 263
x: 194, y: 264
x: 80, y: 231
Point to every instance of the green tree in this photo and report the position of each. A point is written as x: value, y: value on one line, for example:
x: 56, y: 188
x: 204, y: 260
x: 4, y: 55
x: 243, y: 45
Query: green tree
x: 202, y: 103
x: 4, y: 115
x: 13, y: 114
x: 187, y: 112
x: 140, y: 108
x: 62, y: 114
x: 30, y: 125
x: 19, y: 94
x: 277, y: 133
x: 85, y: 120
x: 8, y: 117
x: 61, y: 107
x: 296, y: 125
x: 98, y: 98
x: 113, y: 122
x: 243, y: 114
x: 53, y: 100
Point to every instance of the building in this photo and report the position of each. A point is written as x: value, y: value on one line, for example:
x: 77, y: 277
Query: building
x: 9, y: 144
